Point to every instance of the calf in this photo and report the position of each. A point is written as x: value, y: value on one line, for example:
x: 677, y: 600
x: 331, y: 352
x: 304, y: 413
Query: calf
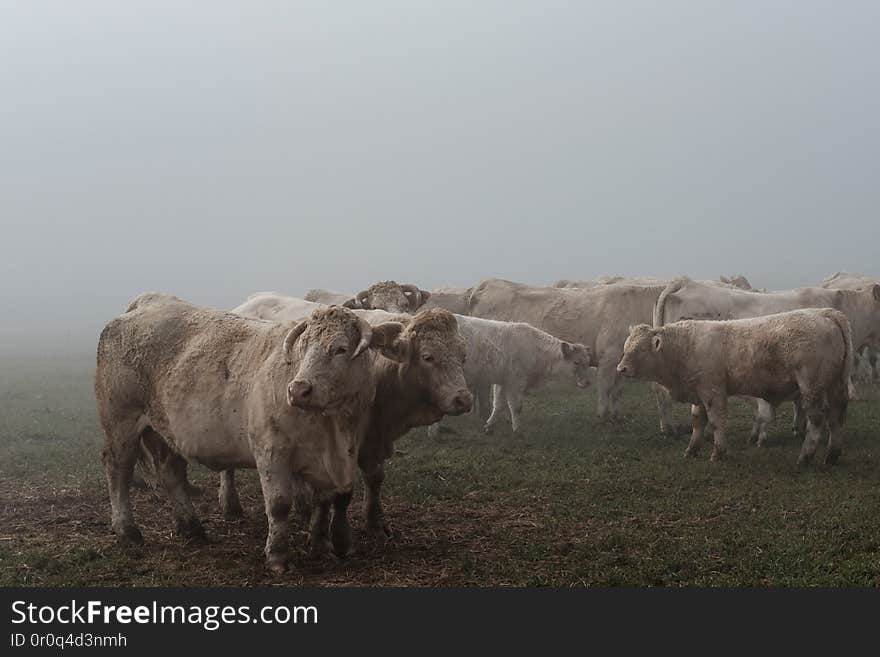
x: 803, y: 355
x: 516, y: 358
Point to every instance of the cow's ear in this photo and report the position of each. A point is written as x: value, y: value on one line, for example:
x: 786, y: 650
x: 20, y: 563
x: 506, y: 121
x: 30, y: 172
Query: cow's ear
x: 567, y: 351
x: 385, y: 334
x: 387, y: 337
x: 876, y: 292
x: 657, y: 342
x: 425, y: 296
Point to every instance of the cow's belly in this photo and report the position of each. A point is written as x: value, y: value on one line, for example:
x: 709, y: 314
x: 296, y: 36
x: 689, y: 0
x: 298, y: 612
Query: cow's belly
x: 774, y: 392
x: 203, y: 430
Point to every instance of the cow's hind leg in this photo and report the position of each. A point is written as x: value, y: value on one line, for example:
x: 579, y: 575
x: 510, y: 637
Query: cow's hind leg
x: 340, y: 529
x: 837, y: 402
x: 121, y: 449
x: 699, y: 420
x: 230, y: 504
x: 716, y: 410
x: 171, y: 469
x: 815, y: 417
x: 319, y: 526
x: 374, y: 475
x: 799, y: 423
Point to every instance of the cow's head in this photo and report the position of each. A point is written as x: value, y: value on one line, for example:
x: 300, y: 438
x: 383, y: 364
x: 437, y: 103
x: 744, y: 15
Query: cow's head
x: 327, y: 351
x: 431, y: 352
x: 577, y: 357
x: 642, y: 352
x: 390, y: 296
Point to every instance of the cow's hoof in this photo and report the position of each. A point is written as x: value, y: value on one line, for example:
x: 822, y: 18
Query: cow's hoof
x: 690, y: 453
x: 804, y: 461
x: 488, y: 429
x: 276, y: 563
x: 380, y: 530
x: 190, y: 529
x: 714, y: 457
x: 130, y: 536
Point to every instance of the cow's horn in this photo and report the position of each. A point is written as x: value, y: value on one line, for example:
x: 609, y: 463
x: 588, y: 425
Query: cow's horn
x: 366, y: 332
x: 291, y: 337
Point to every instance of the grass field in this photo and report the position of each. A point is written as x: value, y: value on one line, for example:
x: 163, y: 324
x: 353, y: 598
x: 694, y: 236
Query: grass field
x: 571, y: 502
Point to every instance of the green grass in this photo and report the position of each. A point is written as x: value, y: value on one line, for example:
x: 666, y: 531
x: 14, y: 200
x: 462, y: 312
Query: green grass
x: 571, y: 502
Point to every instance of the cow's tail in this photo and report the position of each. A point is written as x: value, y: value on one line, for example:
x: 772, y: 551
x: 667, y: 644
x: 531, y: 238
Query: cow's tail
x: 849, y: 355
x: 660, y: 306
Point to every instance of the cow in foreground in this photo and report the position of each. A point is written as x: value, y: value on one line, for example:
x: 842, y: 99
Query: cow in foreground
x: 803, y: 355
x: 291, y: 400
x: 416, y: 385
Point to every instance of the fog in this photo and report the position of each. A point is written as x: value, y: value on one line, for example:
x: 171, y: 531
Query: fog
x: 220, y: 148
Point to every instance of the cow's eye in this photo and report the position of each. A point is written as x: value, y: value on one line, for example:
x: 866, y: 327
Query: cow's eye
x: 428, y: 358
x: 340, y: 350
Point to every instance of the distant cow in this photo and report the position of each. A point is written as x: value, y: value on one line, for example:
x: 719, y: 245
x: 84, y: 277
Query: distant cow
x: 453, y: 299
x: 229, y: 392
x: 867, y: 358
x: 597, y: 317
x: 391, y: 296
x: 687, y: 299
x: 802, y: 354
x: 318, y: 295
x: 516, y: 358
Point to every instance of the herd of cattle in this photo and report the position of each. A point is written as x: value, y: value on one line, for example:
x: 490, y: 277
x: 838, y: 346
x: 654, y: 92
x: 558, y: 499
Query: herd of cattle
x: 305, y: 390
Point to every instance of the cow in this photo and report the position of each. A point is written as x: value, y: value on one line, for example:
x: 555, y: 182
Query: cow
x: 867, y: 359
x: 737, y: 281
x: 417, y: 385
x: 514, y: 358
x: 291, y: 400
x: 597, y: 317
x: 328, y: 297
x: 803, y: 355
x: 687, y: 299
x: 391, y: 296
x: 453, y: 299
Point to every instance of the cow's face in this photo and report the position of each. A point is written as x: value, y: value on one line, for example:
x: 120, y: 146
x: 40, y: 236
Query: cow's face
x: 432, y: 352
x: 642, y: 352
x: 327, y: 350
x: 577, y: 357
x: 390, y: 296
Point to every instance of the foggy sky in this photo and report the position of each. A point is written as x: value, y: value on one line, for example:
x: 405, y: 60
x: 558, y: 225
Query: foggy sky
x: 220, y: 148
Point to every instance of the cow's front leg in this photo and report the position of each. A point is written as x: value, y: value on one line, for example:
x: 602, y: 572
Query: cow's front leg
x: 497, y: 403
x: 606, y: 379
x: 514, y: 398
x: 319, y: 525
x: 273, y: 466
x: 698, y: 421
x: 374, y: 475
x: 340, y: 529
x: 230, y: 504
x: 765, y: 414
x: 716, y: 410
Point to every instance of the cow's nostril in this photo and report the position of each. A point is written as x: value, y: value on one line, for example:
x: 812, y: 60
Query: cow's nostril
x: 301, y: 389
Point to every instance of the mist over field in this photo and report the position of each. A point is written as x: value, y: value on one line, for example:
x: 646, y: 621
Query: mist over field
x: 222, y: 148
